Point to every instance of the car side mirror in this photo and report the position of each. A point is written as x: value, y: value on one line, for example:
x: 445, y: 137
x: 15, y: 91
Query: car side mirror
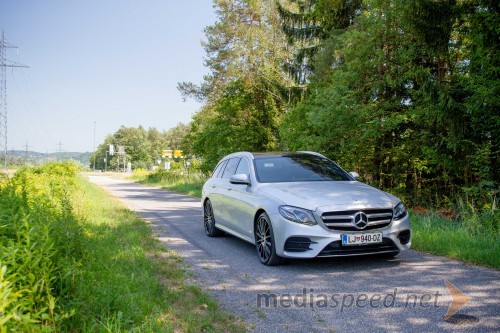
x: 354, y: 175
x: 240, y: 179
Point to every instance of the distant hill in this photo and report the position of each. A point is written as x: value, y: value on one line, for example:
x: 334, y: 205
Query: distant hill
x: 19, y: 157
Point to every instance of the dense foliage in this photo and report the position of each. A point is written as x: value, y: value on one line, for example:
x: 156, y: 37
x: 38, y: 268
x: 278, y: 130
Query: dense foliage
x: 403, y: 91
x: 396, y: 100
x: 39, y: 248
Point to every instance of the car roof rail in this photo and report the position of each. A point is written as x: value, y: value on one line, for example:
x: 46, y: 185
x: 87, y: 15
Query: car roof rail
x: 311, y: 153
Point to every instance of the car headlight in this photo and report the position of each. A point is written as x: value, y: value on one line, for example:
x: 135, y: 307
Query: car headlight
x: 297, y: 215
x: 399, y: 211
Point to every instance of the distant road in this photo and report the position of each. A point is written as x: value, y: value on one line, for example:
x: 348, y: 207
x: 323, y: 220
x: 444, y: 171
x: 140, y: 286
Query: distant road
x: 406, y: 294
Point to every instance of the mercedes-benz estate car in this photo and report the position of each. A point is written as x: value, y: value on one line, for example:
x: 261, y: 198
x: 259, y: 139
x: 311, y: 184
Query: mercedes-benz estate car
x: 301, y: 205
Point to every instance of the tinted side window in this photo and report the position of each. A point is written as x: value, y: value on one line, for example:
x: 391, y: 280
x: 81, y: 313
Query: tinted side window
x: 230, y: 168
x: 218, y: 169
x: 243, y: 167
x: 297, y: 168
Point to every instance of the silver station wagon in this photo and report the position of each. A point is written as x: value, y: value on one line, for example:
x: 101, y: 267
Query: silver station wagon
x: 301, y: 205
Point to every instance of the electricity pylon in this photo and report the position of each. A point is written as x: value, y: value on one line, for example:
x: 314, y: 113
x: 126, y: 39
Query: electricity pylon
x: 4, y: 64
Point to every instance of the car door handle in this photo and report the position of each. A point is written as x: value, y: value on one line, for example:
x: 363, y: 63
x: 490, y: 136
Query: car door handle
x: 229, y: 189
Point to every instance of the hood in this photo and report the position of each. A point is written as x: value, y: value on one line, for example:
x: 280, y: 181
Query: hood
x: 339, y: 194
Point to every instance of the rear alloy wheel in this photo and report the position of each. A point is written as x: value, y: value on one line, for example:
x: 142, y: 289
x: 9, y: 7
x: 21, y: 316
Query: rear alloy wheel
x: 209, y: 221
x: 264, y: 241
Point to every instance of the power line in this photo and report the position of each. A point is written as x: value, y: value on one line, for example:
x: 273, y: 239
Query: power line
x: 26, y: 75
x: 33, y: 125
x: 4, y: 64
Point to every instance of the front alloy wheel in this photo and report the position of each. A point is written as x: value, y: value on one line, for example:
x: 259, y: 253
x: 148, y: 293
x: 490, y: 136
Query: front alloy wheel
x: 264, y: 241
x: 209, y: 220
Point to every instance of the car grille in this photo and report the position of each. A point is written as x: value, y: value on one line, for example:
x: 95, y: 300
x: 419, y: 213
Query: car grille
x: 343, y: 220
x: 335, y: 249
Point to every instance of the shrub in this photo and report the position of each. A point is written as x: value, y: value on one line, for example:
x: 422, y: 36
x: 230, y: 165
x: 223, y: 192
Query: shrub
x: 39, y: 247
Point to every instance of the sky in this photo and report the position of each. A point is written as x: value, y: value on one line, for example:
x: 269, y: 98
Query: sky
x: 99, y: 65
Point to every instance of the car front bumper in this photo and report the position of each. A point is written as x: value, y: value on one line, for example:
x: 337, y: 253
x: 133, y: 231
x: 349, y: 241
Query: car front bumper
x: 294, y: 240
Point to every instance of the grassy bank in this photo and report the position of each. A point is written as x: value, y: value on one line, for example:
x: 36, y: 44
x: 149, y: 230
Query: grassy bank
x: 473, y: 237
x: 130, y: 281
x: 40, y: 248
x: 190, y: 184
x: 90, y: 265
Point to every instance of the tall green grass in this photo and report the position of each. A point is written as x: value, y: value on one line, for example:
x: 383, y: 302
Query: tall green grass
x: 190, y: 184
x: 73, y: 259
x: 472, y: 237
x: 129, y: 282
x: 39, y: 248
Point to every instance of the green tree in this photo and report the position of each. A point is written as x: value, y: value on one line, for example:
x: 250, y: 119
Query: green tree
x: 481, y: 36
x: 157, y: 143
x: 142, y: 147
x: 245, y: 44
x: 234, y: 123
x: 101, y: 153
x: 246, y: 90
x: 396, y: 96
x: 175, y: 137
x: 136, y: 144
x: 307, y: 24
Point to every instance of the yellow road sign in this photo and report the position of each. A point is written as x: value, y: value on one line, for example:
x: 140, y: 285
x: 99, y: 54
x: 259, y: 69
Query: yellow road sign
x: 166, y: 153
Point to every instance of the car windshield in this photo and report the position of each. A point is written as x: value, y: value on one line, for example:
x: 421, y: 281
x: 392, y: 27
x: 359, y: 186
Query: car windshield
x: 297, y: 168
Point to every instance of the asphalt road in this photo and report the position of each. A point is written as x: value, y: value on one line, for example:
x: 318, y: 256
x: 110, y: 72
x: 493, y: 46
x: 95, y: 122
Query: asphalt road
x: 405, y: 294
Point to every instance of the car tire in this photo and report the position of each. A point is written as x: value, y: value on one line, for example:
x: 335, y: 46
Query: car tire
x: 264, y: 241
x: 209, y: 220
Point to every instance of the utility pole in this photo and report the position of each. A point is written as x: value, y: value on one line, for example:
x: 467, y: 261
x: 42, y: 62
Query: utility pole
x: 4, y: 64
x: 95, y: 125
x: 59, y: 150
x: 26, y: 158
x: 106, y: 161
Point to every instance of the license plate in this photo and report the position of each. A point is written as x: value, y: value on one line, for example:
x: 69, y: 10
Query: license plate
x: 360, y: 239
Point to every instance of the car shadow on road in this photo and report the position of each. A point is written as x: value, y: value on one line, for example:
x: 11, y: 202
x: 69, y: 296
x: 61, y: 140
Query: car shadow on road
x: 352, y: 261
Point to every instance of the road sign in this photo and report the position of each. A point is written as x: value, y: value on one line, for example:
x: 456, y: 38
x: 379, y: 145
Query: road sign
x: 166, y: 153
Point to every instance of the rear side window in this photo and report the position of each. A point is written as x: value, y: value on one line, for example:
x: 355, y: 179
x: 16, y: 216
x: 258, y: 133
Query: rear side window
x: 230, y: 169
x: 218, y: 169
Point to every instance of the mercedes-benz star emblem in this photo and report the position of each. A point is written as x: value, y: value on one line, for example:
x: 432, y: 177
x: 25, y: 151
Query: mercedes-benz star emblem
x: 360, y: 220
